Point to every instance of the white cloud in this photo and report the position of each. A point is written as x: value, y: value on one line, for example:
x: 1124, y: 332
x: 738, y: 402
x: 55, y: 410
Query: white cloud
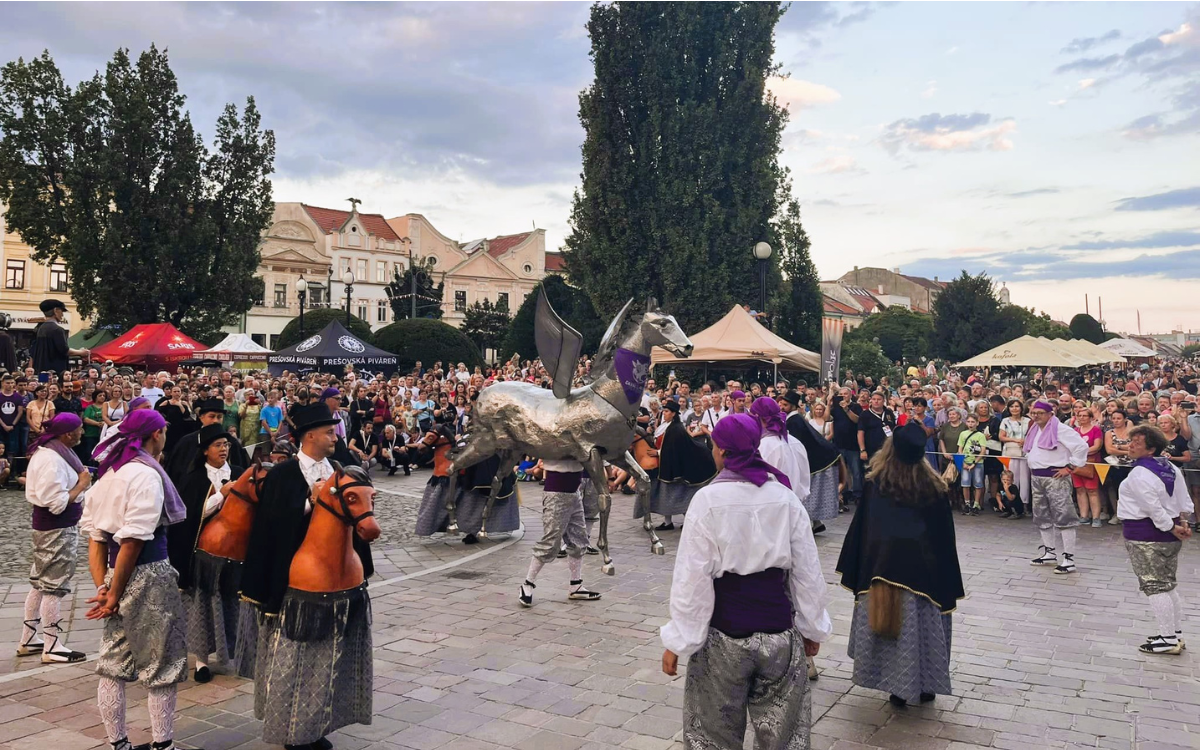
x: 930, y: 90
x: 1087, y: 83
x: 952, y: 50
x: 795, y: 94
x: 935, y: 132
x: 837, y: 165
x: 1187, y: 34
x: 1058, y: 102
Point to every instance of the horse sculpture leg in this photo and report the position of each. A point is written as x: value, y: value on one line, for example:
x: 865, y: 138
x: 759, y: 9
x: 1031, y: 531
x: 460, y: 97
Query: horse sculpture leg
x: 451, y: 506
x: 507, y: 463
x: 643, y: 489
x: 595, y: 469
x: 470, y: 451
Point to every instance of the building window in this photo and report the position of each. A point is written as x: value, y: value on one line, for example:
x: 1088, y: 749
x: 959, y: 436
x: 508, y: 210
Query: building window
x: 502, y: 301
x: 361, y: 311
x: 354, y: 239
x: 274, y: 341
x: 281, y: 295
x: 460, y: 301
x: 58, y: 277
x: 360, y: 273
x: 259, y: 338
x: 381, y: 311
x: 432, y: 261
x: 316, y: 294
x: 528, y: 268
x: 14, y: 275
x: 381, y: 271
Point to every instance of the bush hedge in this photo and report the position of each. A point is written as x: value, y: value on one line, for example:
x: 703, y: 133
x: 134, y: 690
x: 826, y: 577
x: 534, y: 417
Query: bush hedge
x: 318, y: 318
x: 428, y: 341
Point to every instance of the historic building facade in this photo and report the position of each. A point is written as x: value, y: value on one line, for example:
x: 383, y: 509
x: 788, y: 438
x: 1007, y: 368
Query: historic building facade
x: 322, y: 244
x: 26, y: 283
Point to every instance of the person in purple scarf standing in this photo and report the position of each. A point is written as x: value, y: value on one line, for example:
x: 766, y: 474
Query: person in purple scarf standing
x: 54, y: 484
x: 747, y: 602
x: 1153, y: 499
x: 1054, y: 451
x: 137, y: 590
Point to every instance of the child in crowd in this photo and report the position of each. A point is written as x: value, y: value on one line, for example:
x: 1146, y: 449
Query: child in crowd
x: 1011, y: 505
x: 973, y: 444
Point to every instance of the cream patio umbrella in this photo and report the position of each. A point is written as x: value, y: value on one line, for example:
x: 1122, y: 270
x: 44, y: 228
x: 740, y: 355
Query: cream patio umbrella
x: 1026, y: 351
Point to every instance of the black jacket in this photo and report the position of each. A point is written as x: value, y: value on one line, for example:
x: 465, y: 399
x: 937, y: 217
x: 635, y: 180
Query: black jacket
x: 50, y: 350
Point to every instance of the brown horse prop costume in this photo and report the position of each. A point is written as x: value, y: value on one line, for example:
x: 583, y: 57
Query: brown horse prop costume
x: 316, y: 676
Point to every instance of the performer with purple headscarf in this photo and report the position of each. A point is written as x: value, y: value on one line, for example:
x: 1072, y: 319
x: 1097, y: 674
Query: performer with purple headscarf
x: 54, y: 484
x: 137, y: 590
x: 747, y: 602
x: 1153, y: 500
x: 1054, y: 451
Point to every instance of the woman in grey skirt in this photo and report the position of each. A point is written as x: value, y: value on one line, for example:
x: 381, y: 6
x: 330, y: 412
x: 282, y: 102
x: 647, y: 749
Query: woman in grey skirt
x: 900, y: 561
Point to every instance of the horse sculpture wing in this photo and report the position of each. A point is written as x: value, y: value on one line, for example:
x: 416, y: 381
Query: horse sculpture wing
x: 558, y: 345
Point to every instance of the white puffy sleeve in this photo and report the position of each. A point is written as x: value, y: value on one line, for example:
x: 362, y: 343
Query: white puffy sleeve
x: 692, y: 596
x: 806, y: 585
x: 143, y: 507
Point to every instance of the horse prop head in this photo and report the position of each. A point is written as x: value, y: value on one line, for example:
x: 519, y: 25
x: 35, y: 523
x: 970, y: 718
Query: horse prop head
x: 349, y: 495
x: 660, y: 329
x: 249, y: 485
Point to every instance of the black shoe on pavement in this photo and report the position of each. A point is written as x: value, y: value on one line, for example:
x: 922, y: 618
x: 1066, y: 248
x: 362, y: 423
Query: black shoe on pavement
x: 927, y: 697
x: 470, y: 539
x: 665, y: 527
x: 897, y: 701
x: 203, y: 675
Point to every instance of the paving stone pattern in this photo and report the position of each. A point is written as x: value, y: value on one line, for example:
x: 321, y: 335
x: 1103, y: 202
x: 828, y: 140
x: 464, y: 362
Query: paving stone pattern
x: 1039, y: 660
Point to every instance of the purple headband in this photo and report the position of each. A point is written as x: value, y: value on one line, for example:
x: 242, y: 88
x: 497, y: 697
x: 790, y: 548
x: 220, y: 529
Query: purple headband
x: 737, y: 394
x: 769, y: 414
x: 126, y: 446
x: 60, y: 425
x: 738, y: 436
x: 1043, y: 405
x: 138, y: 402
x: 330, y: 393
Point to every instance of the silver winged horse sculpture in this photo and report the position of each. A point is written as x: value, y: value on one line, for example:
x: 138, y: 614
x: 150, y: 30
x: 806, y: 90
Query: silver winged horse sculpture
x: 591, y: 424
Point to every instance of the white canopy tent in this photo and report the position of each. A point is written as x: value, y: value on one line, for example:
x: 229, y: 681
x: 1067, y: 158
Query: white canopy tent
x: 1127, y: 348
x: 739, y: 338
x: 1027, y: 351
x: 1088, y: 350
x: 236, y: 347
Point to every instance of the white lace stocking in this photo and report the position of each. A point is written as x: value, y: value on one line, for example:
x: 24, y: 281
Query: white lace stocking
x: 161, y: 702
x: 33, y: 604
x: 110, y: 697
x: 1164, y: 614
x: 51, y: 631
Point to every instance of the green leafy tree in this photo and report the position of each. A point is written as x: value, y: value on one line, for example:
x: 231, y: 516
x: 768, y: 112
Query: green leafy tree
x: 901, y: 333
x: 680, y: 158
x: 111, y: 178
x: 429, y: 295
x: 571, y: 304
x: 800, y: 304
x: 486, y: 324
x: 1190, y: 350
x: 426, y: 340
x: 965, y: 318
x: 1084, y: 326
x: 316, y: 319
x: 865, y: 357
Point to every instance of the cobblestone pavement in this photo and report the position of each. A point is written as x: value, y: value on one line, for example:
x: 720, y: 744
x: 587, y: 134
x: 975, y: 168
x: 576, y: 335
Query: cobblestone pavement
x: 1039, y: 661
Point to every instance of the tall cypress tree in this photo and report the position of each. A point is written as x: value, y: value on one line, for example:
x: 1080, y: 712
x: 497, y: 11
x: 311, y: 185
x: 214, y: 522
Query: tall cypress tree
x: 680, y: 170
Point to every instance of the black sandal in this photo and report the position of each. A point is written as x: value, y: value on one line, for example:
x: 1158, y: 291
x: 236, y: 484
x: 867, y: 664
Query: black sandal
x: 527, y: 599
x: 665, y: 527
x: 581, y: 594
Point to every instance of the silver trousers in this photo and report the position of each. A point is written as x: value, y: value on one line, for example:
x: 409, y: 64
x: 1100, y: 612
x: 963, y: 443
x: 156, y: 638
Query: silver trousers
x: 562, y: 523
x: 763, y: 677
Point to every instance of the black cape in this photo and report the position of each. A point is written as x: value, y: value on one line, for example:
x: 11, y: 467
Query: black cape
x: 182, y: 537
x: 49, y: 347
x: 182, y: 458
x: 821, y: 453
x: 479, y: 478
x: 682, y: 459
x: 279, y: 528
x: 911, y: 547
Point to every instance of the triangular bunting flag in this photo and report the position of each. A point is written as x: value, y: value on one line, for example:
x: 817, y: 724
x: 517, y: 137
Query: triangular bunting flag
x: 250, y: 451
x: 1005, y: 460
x: 1102, y: 471
x: 958, y: 460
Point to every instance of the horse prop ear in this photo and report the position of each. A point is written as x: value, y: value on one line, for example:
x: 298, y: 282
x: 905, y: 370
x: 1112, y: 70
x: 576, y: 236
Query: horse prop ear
x: 337, y: 467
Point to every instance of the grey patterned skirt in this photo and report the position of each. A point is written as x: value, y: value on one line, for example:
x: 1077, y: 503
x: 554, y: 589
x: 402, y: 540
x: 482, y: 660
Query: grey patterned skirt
x: 822, y: 500
x: 667, y: 499
x: 1155, y: 565
x: 146, y: 642
x: 213, y: 607
x: 54, y: 554
x: 1053, y: 502
x: 433, y: 517
x: 916, y: 662
x: 763, y: 676
x: 317, y: 672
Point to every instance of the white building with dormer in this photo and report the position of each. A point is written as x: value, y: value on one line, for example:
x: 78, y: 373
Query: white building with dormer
x: 321, y: 244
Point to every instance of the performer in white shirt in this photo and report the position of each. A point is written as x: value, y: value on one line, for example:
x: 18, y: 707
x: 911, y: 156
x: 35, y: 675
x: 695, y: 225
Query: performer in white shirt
x: 1053, y: 451
x: 54, y: 484
x: 780, y: 449
x: 137, y: 590
x: 562, y: 524
x: 1153, y: 500
x: 747, y: 602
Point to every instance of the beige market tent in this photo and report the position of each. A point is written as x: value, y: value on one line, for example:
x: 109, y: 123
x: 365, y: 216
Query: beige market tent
x: 1127, y: 348
x: 1027, y: 351
x: 1086, y: 349
x: 739, y: 338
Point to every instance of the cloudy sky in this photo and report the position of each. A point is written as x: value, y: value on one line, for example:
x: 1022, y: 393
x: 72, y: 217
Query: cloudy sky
x: 1054, y: 145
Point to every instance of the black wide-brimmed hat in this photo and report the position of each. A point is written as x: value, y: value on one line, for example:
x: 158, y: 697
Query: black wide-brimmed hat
x: 50, y: 305
x: 909, y: 443
x: 792, y: 398
x: 211, y: 433
x: 210, y: 405
x: 310, y: 417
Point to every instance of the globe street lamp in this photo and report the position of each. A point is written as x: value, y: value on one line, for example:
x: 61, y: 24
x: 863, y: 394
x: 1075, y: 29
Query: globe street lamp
x: 301, y: 294
x: 348, y: 280
x: 762, y: 252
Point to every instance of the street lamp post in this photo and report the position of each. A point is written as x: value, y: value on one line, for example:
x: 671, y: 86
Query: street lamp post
x: 348, y: 280
x: 301, y: 295
x: 762, y: 251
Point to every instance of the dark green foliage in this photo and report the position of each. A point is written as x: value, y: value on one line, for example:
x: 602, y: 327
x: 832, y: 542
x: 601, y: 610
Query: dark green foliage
x: 902, y: 334
x: 429, y: 295
x: 966, y: 318
x: 1020, y: 321
x: 318, y: 318
x: 111, y: 178
x: 1110, y: 335
x: 1190, y: 350
x: 427, y: 341
x: 571, y: 304
x: 486, y: 324
x: 800, y: 303
x: 1084, y: 326
x: 864, y: 357
x: 680, y: 170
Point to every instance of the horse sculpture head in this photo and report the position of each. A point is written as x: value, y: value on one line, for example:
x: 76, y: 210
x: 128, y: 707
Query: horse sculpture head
x: 349, y: 495
x: 660, y: 329
x: 248, y: 486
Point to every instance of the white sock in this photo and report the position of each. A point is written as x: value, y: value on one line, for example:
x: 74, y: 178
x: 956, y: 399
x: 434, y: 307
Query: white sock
x: 535, y: 567
x: 1048, y: 538
x: 110, y: 697
x: 667, y: 519
x: 575, y: 566
x: 1068, y: 541
x: 1164, y: 614
x: 201, y: 664
x: 1177, y: 606
x: 589, y: 525
x: 52, y: 633
x: 161, y: 702
x: 33, y: 604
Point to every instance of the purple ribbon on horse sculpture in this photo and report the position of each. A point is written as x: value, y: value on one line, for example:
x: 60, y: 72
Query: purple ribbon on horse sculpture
x: 632, y: 371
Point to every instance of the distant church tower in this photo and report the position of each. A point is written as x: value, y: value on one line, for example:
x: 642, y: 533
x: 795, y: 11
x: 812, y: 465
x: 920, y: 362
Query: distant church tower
x: 1004, y: 294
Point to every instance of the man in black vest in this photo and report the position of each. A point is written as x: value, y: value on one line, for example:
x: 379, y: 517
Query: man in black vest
x: 50, y: 350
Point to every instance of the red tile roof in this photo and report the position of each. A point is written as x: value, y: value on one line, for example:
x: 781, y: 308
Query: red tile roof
x: 501, y: 245
x: 331, y: 220
x: 927, y: 283
x: 833, y: 306
x: 555, y: 262
x: 862, y: 297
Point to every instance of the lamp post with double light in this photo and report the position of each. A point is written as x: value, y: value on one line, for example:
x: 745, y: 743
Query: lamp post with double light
x: 301, y: 295
x: 348, y: 280
x: 762, y: 252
